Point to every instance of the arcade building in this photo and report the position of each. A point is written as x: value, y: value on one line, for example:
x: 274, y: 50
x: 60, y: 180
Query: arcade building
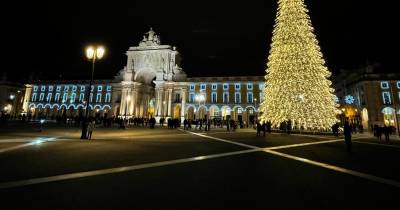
x: 368, y: 97
x: 152, y: 84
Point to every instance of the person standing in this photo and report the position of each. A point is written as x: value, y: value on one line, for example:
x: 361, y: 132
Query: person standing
x: 347, y: 135
x: 90, y: 129
x: 386, y: 132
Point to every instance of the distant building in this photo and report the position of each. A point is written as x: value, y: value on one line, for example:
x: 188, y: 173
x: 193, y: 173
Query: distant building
x: 151, y: 84
x: 11, y: 98
x: 368, y: 97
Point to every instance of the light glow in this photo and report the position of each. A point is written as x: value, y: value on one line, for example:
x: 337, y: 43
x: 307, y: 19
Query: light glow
x: 90, y: 52
x: 297, y: 85
x: 100, y: 52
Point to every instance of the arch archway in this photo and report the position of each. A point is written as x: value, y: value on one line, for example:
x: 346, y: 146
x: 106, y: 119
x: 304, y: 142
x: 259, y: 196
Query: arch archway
x: 190, y: 113
x: 214, y: 112
x: 177, y: 111
x: 202, y: 112
x: 389, y: 116
x: 225, y: 111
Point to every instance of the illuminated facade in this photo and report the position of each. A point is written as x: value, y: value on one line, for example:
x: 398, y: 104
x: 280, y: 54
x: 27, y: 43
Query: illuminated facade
x: 369, y: 98
x: 152, y: 84
x: 11, y: 97
x: 55, y: 98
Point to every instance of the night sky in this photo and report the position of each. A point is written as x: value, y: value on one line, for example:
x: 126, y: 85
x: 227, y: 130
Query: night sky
x: 47, y: 39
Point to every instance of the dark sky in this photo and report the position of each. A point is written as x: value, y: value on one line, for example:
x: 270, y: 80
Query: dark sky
x: 47, y: 38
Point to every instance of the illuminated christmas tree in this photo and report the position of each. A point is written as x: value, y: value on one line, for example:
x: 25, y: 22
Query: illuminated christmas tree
x: 297, y: 85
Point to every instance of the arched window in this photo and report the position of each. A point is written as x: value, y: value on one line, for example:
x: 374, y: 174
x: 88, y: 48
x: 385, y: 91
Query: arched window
x: 108, y: 98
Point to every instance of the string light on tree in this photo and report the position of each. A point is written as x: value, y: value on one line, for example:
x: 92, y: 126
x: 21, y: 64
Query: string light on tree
x: 297, y: 85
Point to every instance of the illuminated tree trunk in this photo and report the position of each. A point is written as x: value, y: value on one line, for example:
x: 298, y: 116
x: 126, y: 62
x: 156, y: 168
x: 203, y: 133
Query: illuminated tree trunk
x: 297, y: 85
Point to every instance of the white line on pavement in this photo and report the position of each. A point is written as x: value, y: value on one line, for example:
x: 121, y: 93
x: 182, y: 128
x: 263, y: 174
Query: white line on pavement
x: 303, y: 144
x: 35, y: 141
x: 338, y: 169
x: 224, y: 140
x: 324, y: 165
x: 26, y: 182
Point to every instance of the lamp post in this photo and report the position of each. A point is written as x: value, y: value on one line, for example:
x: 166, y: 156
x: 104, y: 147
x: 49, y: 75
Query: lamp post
x: 93, y: 54
x: 12, y: 110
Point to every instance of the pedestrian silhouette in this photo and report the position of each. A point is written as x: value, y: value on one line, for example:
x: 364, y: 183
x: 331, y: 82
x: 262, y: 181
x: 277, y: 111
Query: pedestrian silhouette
x: 347, y: 135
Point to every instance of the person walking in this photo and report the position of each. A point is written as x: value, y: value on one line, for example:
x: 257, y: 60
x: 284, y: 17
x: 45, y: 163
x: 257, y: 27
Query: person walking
x: 386, y: 132
x: 90, y: 129
x: 258, y: 128
x: 347, y: 135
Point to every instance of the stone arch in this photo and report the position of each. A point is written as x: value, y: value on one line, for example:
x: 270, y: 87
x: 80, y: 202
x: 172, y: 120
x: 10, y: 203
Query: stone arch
x: 71, y: 105
x: 177, y: 111
x: 202, y: 112
x: 190, y: 110
x: 237, y: 112
x: 214, y: 111
x: 225, y: 111
x: 145, y: 76
x: 389, y: 116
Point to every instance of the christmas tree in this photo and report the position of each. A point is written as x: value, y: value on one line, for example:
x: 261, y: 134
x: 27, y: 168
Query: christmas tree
x: 297, y: 87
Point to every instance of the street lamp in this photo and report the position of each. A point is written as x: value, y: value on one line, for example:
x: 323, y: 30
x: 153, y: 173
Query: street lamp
x: 93, y: 54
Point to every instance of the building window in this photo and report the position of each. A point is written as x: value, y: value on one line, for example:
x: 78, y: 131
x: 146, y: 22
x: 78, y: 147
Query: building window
x: 74, y: 88
x: 49, y: 95
x: 57, y: 97
x: 43, y: 88
x: 249, y: 86
x: 66, y: 88
x: 99, y: 88
x: 386, y: 98
x: 73, y: 96
x: 98, y: 97
x: 91, y: 97
x: 398, y: 84
x: 226, y: 86
x: 213, y: 97
x: 108, y: 88
x: 177, y: 98
x: 82, y: 88
x: 261, y: 96
x: 65, y: 96
x: 203, y: 87
x: 226, y: 97
x: 108, y: 98
x: 58, y: 89
x: 191, y: 87
x: 35, y: 88
x: 214, y: 86
x: 50, y: 88
x: 34, y: 97
x: 81, y: 97
x: 385, y: 85
x: 237, y: 86
x: 237, y: 98
x: 41, y: 97
x: 249, y: 98
x: 191, y: 97
x: 261, y: 86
